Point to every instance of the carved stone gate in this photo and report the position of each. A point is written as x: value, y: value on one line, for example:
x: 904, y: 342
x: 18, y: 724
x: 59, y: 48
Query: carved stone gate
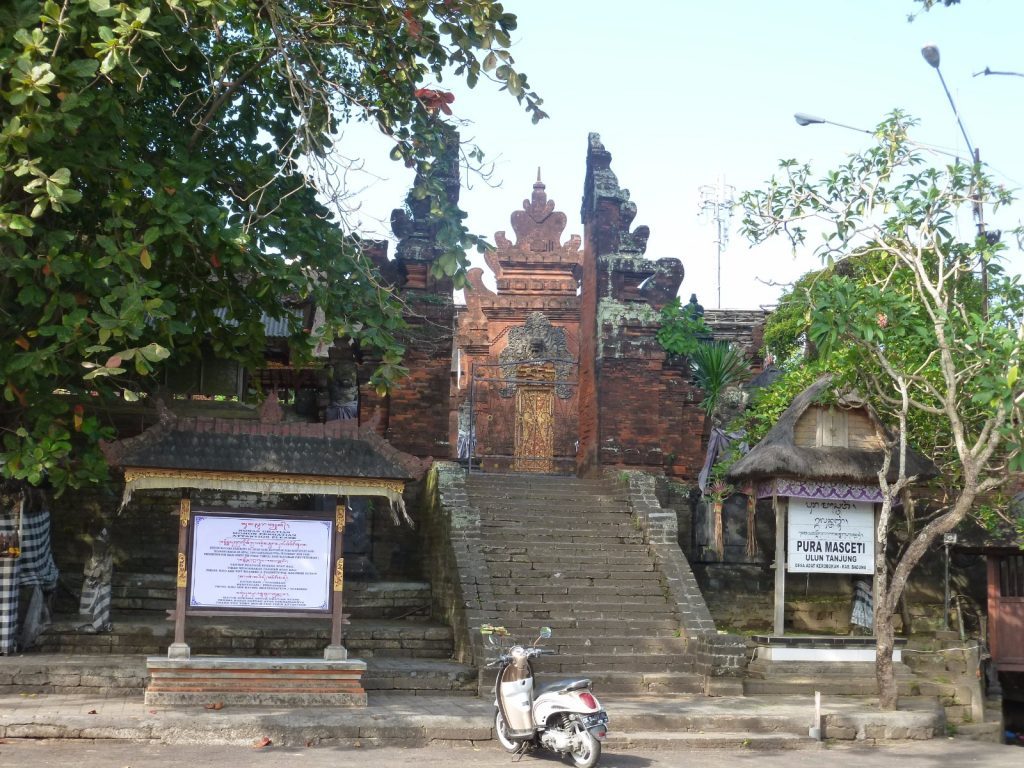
x: 524, y: 415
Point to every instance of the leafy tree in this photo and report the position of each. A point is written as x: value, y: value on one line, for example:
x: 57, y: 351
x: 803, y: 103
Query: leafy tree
x: 717, y: 365
x: 903, y: 314
x: 682, y: 329
x: 165, y: 180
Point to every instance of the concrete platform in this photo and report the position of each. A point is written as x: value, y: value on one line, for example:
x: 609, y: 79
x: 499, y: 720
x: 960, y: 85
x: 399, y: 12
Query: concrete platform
x: 770, y: 722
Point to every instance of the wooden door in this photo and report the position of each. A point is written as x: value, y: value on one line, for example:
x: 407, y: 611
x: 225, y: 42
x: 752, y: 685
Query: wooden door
x: 535, y: 428
x: 1006, y: 611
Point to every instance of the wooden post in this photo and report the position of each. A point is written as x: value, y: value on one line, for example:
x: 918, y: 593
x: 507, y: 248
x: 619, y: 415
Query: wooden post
x: 880, y: 540
x: 336, y: 650
x: 179, y: 648
x: 995, y: 619
x: 781, y: 507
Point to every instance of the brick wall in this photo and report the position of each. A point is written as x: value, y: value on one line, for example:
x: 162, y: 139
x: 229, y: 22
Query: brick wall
x: 637, y: 408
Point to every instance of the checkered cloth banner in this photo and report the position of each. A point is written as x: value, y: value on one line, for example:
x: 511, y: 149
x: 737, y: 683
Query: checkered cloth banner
x: 34, y: 568
x: 37, y: 565
x: 9, y: 567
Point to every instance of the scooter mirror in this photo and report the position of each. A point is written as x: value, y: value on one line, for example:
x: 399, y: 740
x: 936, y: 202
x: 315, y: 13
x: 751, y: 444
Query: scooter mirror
x: 545, y: 633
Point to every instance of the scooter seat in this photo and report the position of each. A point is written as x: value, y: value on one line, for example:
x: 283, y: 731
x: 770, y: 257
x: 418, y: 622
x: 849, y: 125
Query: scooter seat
x: 564, y: 686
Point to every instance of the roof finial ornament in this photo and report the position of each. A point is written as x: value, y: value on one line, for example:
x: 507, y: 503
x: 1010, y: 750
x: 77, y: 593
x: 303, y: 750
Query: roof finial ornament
x: 540, y: 199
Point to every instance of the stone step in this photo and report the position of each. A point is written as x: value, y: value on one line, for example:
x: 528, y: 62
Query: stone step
x: 137, y: 592
x: 116, y: 675
x: 596, y: 511
x: 606, y: 662
x: 537, y: 482
x: 594, y: 628
x: 650, y: 588
x: 546, y: 535
x: 578, y: 586
x: 528, y: 574
x: 566, y: 565
x: 586, y: 609
x: 833, y: 686
x: 420, y: 676
x: 657, y: 740
x: 766, y: 669
x: 557, y: 500
x: 144, y: 634
x: 583, y: 598
x: 616, y: 553
x: 619, y: 645
x: 632, y: 682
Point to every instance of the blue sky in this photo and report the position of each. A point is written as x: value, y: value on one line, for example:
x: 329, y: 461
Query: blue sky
x: 684, y: 92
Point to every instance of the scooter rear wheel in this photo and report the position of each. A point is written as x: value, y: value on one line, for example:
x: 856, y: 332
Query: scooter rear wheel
x: 586, y: 749
x: 501, y: 731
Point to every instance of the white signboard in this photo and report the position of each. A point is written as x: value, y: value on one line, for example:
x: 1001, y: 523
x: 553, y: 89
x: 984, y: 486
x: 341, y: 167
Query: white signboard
x: 259, y: 563
x: 828, y: 536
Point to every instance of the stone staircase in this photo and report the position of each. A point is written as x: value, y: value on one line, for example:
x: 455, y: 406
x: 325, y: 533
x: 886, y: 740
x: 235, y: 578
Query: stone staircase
x: 564, y: 552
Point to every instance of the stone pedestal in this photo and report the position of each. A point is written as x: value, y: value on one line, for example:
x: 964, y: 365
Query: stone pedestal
x: 255, y: 682
x: 178, y: 651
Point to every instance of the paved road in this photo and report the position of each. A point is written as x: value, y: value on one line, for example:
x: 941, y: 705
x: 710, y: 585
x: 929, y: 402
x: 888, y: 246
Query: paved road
x: 85, y: 754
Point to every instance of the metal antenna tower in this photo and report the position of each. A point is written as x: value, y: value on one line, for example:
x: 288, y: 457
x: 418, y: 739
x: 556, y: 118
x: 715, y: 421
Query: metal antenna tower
x: 716, y: 204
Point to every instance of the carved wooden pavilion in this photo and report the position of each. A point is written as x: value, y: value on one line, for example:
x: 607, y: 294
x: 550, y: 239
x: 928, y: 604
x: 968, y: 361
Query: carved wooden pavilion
x: 270, y: 456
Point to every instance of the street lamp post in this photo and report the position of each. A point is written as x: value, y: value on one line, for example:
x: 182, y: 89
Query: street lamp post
x: 930, y: 53
x: 802, y: 118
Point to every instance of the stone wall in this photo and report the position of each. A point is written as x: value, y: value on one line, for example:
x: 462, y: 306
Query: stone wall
x: 460, y: 586
x: 720, y: 658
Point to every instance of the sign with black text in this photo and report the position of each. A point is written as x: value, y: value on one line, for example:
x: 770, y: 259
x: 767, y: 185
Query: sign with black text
x: 830, y: 536
x: 260, y: 563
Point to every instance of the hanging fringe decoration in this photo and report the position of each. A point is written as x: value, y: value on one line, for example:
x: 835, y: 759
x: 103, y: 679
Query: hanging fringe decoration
x: 148, y: 479
x: 751, y: 526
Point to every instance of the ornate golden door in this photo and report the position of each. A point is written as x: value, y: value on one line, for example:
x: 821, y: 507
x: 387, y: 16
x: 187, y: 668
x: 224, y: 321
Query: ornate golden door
x: 535, y: 430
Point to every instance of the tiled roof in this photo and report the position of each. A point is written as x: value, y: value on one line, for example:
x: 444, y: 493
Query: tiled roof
x: 335, y: 449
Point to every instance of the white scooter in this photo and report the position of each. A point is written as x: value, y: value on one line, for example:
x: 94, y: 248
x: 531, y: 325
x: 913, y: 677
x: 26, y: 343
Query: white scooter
x: 564, y: 717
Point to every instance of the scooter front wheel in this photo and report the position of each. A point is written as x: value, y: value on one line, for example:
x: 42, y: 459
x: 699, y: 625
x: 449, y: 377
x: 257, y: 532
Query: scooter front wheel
x: 501, y: 731
x: 586, y: 749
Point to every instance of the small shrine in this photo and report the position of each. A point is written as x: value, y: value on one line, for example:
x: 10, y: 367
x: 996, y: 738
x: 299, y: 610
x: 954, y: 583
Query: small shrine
x: 817, y: 471
x: 259, y: 562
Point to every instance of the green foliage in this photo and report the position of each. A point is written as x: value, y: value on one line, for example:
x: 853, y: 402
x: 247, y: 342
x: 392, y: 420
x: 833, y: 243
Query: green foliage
x: 717, y: 365
x: 159, y: 171
x: 899, y: 304
x: 767, y: 404
x: 681, y: 331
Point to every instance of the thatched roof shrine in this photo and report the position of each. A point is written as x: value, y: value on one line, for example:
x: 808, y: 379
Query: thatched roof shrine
x: 839, y: 443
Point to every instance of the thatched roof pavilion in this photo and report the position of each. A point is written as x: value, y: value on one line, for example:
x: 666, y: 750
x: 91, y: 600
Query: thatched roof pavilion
x: 844, y: 443
x: 819, y: 465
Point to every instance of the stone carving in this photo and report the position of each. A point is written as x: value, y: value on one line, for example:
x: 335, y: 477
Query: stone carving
x: 661, y: 287
x: 538, y: 229
x: 609, y: 212
x: 538, y: 339
x: 416, y: 233
x: 601, y: 191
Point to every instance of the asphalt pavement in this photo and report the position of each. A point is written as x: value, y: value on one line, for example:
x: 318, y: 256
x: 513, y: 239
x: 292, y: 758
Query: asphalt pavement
x: 937, y: 753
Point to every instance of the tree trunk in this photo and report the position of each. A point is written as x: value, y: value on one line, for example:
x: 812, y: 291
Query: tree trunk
x: 888, y: 693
